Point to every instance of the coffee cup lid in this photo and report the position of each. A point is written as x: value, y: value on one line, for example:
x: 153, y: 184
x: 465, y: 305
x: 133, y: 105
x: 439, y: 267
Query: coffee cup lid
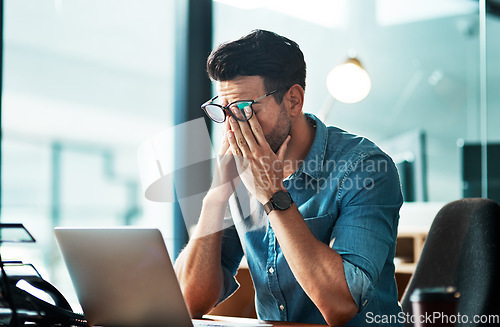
x: 435, y: 294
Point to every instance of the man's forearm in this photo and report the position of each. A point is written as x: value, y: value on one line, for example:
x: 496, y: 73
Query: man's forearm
x: 318, y: 269
x: 198, y: 267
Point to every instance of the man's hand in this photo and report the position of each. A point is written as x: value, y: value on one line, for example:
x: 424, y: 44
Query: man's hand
x: 225, y: 175
x: 261, y: 170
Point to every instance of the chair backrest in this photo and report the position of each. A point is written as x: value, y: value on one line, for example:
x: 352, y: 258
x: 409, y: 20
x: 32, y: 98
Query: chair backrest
x: 462, y: 249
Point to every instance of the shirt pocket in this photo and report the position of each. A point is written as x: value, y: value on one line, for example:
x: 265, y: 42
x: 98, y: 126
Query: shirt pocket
x: 321, y: 227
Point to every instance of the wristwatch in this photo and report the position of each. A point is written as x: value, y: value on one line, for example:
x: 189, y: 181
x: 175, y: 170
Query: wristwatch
x: 281, y: 200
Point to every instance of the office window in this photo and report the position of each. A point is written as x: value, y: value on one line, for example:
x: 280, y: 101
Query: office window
x: 85, y: 82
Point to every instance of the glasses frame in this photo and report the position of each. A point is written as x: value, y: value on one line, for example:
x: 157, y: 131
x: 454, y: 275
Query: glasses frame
x: 225, y: 109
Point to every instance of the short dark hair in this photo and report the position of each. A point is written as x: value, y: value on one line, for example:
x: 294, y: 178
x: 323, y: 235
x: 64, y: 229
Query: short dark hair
x: 278, y: 60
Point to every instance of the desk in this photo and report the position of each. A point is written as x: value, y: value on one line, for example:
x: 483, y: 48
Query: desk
x: 240, y: 321
x: 249, y: 320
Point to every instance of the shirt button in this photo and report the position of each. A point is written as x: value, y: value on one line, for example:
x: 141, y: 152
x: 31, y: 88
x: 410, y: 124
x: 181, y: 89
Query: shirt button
x: 282, y: 307
x: 271, y: 270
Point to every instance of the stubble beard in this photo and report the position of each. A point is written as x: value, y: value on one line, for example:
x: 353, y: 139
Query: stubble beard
x: 281, y: 130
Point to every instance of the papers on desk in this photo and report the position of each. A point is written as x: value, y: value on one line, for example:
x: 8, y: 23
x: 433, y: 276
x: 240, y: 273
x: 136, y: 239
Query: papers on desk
x: 233, y: 323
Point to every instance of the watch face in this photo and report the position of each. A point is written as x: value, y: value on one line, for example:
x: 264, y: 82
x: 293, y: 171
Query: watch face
x: 282, y: 200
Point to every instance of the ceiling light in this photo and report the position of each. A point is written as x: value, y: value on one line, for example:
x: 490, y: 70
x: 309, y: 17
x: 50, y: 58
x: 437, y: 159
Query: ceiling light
x: 349, y: 82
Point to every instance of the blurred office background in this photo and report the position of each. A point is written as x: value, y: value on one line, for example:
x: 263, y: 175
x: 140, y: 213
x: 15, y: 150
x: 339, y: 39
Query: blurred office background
x: 86, y: 82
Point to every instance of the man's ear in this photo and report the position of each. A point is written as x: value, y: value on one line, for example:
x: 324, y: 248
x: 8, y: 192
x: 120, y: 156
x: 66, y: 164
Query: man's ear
x: 295, y: 99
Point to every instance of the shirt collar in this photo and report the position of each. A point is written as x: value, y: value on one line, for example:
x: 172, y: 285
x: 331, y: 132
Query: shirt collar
x: 313, y: 164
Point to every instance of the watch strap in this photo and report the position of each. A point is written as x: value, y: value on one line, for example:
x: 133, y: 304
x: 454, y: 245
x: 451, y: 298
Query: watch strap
x: 269, y: 206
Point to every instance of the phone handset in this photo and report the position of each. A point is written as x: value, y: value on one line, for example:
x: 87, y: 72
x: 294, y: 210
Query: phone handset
x: 32, y: 308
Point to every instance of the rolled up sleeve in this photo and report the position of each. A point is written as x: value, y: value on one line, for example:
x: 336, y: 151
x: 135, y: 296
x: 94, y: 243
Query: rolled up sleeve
x: 359, y: 284
x: 366, y: 229
x: 231, y: 256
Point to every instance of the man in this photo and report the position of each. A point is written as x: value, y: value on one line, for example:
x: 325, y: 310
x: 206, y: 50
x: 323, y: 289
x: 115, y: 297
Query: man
x: 320, y: 233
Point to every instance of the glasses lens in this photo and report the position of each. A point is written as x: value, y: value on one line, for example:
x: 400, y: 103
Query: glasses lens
x: 215, y: 113
x: 238, y: 109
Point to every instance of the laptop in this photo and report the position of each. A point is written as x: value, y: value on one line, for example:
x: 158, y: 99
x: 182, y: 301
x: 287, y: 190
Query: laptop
x: 124, y: 277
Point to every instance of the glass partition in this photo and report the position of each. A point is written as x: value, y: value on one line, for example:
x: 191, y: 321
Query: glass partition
x: 492, y: 69
x: 424, y: 63
x: 84, y: 84
x: 493, y: 76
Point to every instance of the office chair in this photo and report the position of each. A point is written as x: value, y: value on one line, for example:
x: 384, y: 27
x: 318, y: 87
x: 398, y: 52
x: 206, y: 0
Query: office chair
x: 462, y: 249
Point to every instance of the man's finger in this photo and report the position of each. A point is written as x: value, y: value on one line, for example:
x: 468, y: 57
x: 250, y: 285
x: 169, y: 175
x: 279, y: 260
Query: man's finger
x: 247, y: 133
x: 282, y: 150
x: 237, y: 140
x: 225, y: 142
x: 235, y: 148
x: 257, y: 130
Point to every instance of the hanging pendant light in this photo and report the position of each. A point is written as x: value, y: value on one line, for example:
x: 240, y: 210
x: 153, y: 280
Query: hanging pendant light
x: 349, y: 82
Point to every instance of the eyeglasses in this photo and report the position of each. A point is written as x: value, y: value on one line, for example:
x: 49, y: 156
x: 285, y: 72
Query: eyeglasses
x: 236, y: 109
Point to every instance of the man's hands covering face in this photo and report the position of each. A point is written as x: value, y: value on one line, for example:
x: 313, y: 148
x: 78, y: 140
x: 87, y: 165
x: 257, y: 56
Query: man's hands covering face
x: 260, y: 169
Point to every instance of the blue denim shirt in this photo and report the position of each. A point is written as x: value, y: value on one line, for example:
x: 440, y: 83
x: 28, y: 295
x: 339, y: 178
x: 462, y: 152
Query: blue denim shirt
x: 348, y: 192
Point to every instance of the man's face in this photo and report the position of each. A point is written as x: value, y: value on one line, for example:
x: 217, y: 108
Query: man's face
x: 272, y: 117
